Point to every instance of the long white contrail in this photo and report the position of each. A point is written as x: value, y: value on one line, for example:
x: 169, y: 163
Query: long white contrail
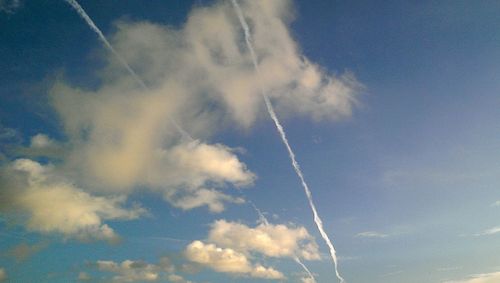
x: 122, y: 61
x: 279, y: 127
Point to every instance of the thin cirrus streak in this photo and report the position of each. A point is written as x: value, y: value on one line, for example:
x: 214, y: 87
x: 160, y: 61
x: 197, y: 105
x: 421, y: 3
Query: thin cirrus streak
x: 79, y: 9
x: 281, y: 131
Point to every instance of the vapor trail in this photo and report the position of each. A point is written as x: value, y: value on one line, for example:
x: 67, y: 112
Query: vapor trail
x: 122, y: 61
x: 281, y: 131
x: 91, y: 24
x: 297, y: 259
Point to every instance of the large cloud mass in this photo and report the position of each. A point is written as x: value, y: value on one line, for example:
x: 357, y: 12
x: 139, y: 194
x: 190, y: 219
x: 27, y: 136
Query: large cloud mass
x: 121, y: 137
x: 200, y: 76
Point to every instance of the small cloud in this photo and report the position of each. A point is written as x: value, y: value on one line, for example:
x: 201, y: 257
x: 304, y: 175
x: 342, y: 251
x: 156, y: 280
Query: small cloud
x: 496, y: 203
x: 371, y: 234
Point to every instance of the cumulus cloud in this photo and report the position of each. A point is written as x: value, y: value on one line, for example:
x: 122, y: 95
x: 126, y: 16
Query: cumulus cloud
x: 51, y: 204
x: 371, y: 234
x: 480, y: 278
x: 267, y: 239
x: 228, y: 261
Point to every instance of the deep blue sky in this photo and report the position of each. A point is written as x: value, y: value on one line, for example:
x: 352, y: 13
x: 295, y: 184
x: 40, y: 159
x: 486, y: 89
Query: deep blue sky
x: 406, y: 186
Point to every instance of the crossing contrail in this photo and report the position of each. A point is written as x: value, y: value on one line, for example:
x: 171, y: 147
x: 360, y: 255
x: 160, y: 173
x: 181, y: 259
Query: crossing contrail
x: 281, y: 131
x: 122, y: 61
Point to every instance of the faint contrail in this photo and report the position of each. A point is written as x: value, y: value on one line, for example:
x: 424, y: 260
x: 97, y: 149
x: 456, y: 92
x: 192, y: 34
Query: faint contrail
x: 279, y: 127
x: 108, y: 45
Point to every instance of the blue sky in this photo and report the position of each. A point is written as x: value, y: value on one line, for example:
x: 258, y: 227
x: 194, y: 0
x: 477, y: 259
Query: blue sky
x: 391, y: 109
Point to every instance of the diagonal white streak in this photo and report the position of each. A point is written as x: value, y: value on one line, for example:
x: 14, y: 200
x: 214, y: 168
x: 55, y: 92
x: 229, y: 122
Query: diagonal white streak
x: 279, y: 127
x: 91, y: 24
x: 122, y: 61
x: 297, y: 259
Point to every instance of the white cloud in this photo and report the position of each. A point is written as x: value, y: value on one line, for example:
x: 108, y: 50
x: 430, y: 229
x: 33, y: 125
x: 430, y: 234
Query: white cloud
x: 228, y: 261
x: 371, y: 234
x: 493, y: 277
x: 270, y: 240
x: 3, y: 274
x: 496, y: 203
x: 53, y: 205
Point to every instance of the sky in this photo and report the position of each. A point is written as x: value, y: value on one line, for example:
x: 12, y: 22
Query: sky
x: 157, y: 161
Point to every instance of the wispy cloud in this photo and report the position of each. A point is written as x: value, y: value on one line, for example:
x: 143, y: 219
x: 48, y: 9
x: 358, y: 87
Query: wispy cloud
x: 493, y: 277
x: 448, y: 268
x: 487, y: 232
x: 371, y: 234
x: 9, y: 6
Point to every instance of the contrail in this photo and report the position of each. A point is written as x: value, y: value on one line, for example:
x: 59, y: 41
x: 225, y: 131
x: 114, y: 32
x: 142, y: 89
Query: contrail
x: 91, y: 24
x: 279, y: 127
x: 297, y: 259
x: 263, y: 219
x: 122, y: 61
